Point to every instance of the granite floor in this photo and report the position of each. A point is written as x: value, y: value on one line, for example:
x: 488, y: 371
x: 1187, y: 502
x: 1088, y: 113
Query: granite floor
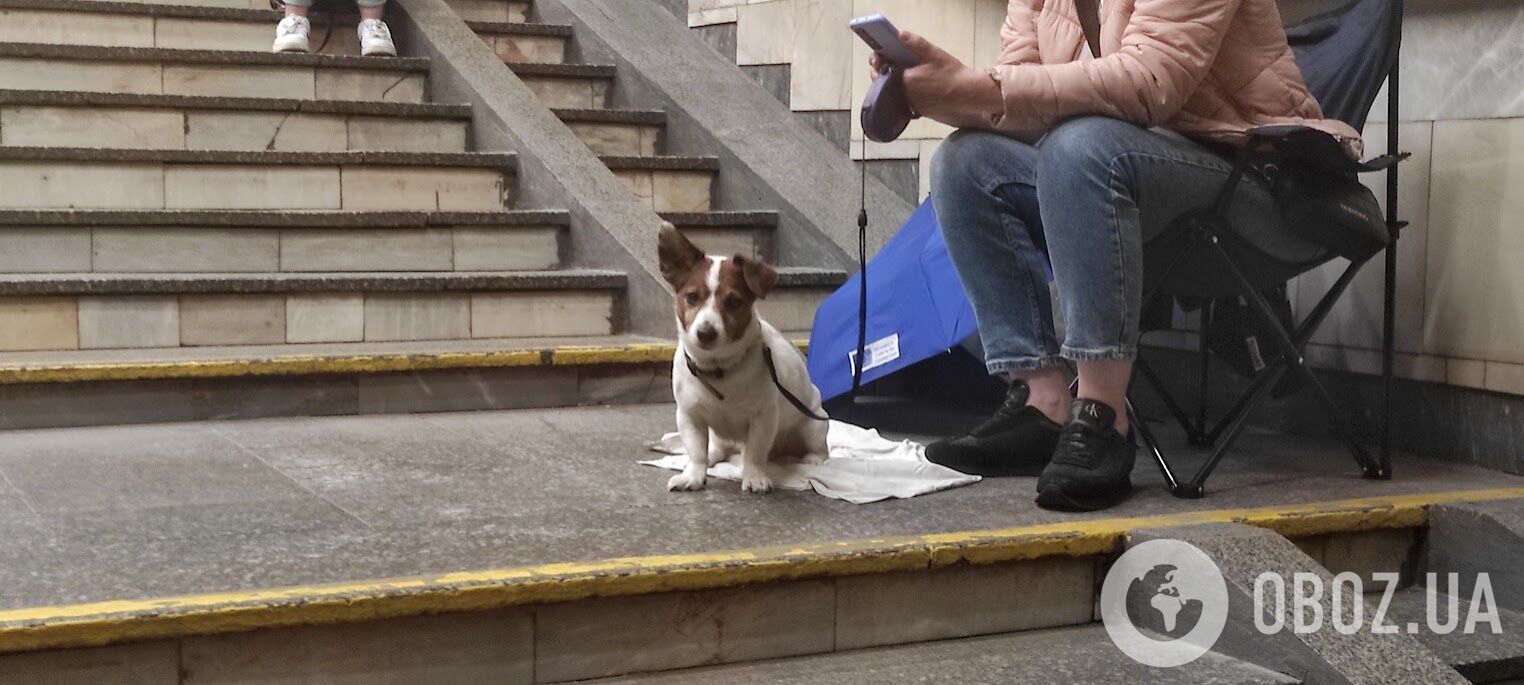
x: 144, y: 511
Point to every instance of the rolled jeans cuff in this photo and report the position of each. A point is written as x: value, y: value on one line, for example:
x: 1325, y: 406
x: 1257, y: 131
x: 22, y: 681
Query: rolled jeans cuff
x: 1119, y: 353
x: 362, y: 3
x: 999, y: 367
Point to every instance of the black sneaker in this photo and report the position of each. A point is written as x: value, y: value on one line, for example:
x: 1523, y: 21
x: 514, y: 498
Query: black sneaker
x: 1017, y: 441
x: 1092, y: 465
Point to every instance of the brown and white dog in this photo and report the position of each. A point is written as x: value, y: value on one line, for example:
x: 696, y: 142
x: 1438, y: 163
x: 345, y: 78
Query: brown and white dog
x: 726, y: 399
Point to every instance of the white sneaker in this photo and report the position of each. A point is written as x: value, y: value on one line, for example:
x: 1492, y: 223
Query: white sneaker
x: 376, y: 38
x: 291, y: 34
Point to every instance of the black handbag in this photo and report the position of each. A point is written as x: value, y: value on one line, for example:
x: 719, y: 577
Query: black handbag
x: 1333, y: 210
x: 1320, y: 196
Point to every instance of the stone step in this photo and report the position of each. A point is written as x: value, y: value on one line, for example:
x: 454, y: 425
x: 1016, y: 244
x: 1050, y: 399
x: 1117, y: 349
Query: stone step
x: 140, y: 25
x: 488, y: 10
x: 1244, y: 552
x: 725, y: 233
x: 103, y: 311
x: 26, y: 66
x: 1081, y: 654
x: 627, y: 132
x: 86, y: 178
x: 520, y: 42
x: 567, y: 86
x: 34, y: 118
x: 792, y: 304
x: 235, y: 4
x: 902, y: 597
x: 1482, y: 656
x: 668, y: 183
x: 109, y: 387
x: 106, y: 241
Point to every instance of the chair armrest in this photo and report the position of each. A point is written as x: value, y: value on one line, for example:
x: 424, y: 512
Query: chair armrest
x: 1308, y: 144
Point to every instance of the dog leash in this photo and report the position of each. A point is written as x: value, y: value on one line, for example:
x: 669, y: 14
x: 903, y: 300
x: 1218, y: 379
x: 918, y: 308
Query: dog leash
x: 772, y: 370
x: 862, y: 279
x: 767, y: 356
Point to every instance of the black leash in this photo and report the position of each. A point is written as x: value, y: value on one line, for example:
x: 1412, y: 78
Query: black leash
x: 767, y: 356
x: 862, y: 279
x: 772, y: 370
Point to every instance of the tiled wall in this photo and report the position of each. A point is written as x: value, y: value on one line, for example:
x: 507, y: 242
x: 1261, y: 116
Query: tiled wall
x: 1460, y: 309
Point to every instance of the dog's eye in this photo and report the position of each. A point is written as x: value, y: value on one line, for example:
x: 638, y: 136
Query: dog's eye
x: 692, y: 298
x: 733, y: 302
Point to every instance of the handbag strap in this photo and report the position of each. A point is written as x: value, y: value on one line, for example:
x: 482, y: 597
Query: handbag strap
x: 1090, y: 20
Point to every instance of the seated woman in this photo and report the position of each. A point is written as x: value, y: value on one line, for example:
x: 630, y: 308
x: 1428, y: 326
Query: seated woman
x: 1083, y: 159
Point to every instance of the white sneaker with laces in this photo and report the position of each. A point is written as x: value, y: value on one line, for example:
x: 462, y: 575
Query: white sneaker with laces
x: 291, y: 34
x: 376, y: 38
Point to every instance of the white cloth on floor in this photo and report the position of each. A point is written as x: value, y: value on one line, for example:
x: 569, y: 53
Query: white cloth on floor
x: 863, y: 467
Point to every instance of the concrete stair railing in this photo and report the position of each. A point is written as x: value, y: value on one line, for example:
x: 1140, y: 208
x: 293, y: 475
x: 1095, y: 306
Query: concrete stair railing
x: 632, y: 142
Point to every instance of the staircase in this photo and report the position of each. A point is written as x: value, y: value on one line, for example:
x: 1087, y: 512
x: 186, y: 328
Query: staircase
x: 1014, y: 605
x: 630, y: 142
x: 192, y: 227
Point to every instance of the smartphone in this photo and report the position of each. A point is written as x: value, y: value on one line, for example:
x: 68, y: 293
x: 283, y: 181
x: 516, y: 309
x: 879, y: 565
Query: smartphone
x: 881, y: 35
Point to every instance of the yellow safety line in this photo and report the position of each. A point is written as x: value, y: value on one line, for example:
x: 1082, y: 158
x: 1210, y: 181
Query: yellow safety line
x: 306, y: 364
x: 100, y: 623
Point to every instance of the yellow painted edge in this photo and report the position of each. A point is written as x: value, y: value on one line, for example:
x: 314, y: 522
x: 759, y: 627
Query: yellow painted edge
x: 301, y: 365
x: 102, y: 623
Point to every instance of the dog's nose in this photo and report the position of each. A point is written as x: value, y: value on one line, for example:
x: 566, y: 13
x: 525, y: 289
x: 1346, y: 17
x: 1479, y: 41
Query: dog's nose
x: 706, y: 334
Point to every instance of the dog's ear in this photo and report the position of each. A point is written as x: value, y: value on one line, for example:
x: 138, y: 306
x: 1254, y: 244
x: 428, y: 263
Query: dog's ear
x: 760, y: 276
x: 678, y: 256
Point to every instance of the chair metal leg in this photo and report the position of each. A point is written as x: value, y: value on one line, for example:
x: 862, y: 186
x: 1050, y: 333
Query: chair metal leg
x: 1152, y: 445
x: 1394, y: 228
x: 1254, y: 399
x: 1371, y: 468
x: 1198, y: 436
x: 1239, y: 407
x: 1388, y: 326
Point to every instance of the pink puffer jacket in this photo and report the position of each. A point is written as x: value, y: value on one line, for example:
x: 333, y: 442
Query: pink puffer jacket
x: 1206, y: 68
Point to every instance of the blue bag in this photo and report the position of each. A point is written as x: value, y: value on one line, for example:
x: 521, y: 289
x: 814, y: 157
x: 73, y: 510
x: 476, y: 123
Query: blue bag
x: 916, y: 310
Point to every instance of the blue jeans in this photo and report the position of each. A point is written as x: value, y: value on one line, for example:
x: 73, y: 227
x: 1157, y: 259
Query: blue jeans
x: 362, y: 3
x: 1087, y: 197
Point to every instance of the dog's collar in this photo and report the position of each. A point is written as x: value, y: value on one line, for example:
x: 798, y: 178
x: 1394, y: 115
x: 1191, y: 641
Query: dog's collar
x: 772, y: 371
x: 718, y: 372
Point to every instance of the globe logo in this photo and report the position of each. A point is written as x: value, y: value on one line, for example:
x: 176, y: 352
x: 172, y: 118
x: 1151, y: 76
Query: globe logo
x: 1154, y: 603
x: 1164, y: 603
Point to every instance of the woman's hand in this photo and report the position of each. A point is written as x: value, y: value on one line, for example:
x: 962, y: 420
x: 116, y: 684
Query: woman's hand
x: 876, y: 65
x: 941, y: 87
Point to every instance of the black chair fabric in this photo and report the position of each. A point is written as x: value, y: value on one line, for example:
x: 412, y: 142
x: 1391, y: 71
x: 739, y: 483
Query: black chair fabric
x: 1345, y: 55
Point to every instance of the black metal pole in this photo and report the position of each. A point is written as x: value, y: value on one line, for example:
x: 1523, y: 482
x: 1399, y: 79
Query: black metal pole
x: 1389, y: 313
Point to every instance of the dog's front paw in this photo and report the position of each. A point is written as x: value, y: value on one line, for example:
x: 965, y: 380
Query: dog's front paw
x: 756, y: 481
x: 684, y: 482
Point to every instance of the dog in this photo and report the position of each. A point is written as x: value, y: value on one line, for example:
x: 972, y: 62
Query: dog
x: 727, y: 401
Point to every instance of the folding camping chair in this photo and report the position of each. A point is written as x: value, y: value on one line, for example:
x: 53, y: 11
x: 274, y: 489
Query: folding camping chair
x: 1345, y: 55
